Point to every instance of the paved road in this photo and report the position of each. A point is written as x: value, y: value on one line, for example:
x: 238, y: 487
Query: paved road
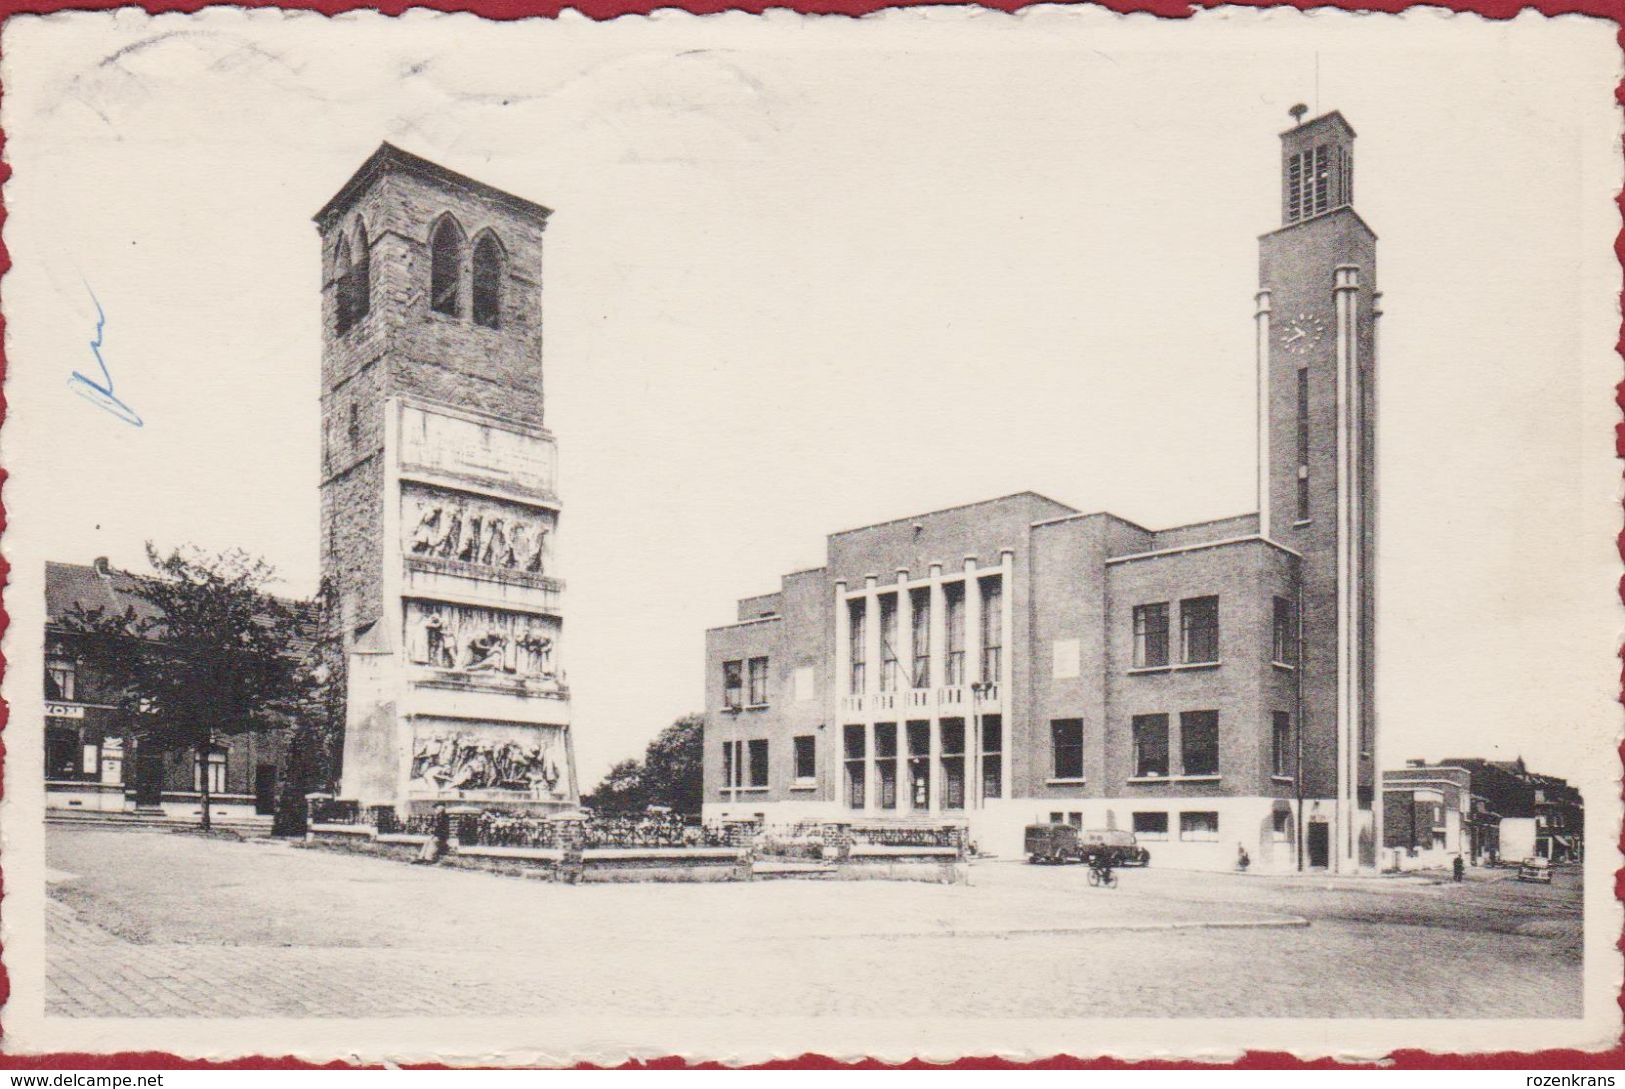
x: 159, y: 924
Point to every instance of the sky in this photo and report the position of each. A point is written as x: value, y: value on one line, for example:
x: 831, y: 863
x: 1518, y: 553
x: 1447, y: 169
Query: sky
x: 806, y: 274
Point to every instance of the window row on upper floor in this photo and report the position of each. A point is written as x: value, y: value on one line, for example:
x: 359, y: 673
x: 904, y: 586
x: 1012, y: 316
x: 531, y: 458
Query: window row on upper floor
x: 462, y: 279
x: 1199, y: 633
x: 1152, y: 748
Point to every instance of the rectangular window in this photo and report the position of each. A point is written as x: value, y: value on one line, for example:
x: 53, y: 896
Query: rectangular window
x: 1284, y: 641
x: 1066, y: 748
x: 888, y: 643
x: 758, y: 762
x: 920, y: 604
x: 856, y: 644
x: 1057, y: 818
x: 1281, y: 762
x: 953, y: 763
x: 733, y: 765
x: 1075, y: 819
x: 733, y: 685
x: 1303, y: 444
x: 953, y: 597
x: 992, y: 756
x: 216, y: 772
x: 886, y: 763
x: 992, y: 629
x: 758, y: 682
x: 1199, y: 630
x: 1150, y: 826
x: 1150, y: 746
x: 61, y: 753
x: 1199, y: 827
x: 60, y: 678
x: 1199, y: 742
x: 856, y: 756
x: 1151, y: 635
x: 1294, y: 188
x: 919, y: 764
x: 1323, y: 177
x: 806, y: 758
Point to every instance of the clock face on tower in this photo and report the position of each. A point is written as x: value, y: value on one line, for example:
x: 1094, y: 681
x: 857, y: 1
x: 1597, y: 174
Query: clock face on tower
x: 1302, y: 334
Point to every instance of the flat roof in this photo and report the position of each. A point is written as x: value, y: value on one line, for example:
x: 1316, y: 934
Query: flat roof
x: 961, y: 506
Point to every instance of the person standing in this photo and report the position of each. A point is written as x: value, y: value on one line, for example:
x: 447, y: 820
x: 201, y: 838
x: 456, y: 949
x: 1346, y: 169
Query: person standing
x: 439, y: 841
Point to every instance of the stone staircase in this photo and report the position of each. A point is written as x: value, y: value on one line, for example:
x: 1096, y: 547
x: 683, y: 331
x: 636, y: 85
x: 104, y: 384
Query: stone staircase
x: 89, y: 818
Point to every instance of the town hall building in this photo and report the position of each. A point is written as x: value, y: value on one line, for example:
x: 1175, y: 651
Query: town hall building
x: 1209, y: 687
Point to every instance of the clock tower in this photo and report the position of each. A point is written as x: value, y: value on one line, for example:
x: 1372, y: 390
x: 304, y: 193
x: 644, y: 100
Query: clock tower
x: 1316, y: 327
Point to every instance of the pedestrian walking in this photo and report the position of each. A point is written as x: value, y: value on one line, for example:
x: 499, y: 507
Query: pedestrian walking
x: 1458, y: 869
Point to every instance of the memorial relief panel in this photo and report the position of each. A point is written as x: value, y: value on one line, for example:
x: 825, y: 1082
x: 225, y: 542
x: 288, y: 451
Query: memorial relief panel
x: 493, y: 534
x: 450, y: 756
x: 471, y: 640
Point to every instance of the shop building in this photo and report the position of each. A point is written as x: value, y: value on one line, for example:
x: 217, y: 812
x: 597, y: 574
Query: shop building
x: 95, y: 760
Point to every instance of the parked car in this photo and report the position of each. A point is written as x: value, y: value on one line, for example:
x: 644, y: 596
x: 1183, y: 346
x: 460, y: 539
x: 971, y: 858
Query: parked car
x: 1535, y: 869
x: 1119, y: 846
x: 1054, y: 844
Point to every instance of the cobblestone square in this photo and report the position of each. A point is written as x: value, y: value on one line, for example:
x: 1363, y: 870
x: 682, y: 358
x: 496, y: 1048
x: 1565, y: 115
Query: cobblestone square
x: 159, y: 924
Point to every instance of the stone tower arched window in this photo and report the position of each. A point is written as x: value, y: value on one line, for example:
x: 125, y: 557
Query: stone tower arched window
x: 360, y: 275
x: 488, y: 259
x: 446, y: 245
x: 343, y: 285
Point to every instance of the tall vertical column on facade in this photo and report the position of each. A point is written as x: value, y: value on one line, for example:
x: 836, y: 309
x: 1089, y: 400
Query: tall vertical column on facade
x: 905, y: 636
x: 1262, y: 318
x: 973, y: 623
x: 840, y: 688
x: 973, y: 675
x: 905, y: 670
x: 1007, y: 670
x: 1345, y: 285
x: 939, y: 672
x: 871, y: 685
x: 1369, y: 531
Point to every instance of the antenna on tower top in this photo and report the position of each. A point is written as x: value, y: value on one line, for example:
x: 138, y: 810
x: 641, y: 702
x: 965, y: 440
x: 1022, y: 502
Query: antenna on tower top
x: 1297, y: 113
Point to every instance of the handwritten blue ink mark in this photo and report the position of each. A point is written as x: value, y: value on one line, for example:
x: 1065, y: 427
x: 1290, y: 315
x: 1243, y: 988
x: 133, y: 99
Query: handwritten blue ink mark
x: 100, y: 394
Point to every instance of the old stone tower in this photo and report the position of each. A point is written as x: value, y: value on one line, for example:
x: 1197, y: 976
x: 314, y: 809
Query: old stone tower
x: 439, y: 506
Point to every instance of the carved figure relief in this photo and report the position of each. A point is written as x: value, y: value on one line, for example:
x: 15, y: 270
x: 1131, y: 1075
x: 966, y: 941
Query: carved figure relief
x: 470, y: 640
x: 506, y: 537
x: 465, y: 761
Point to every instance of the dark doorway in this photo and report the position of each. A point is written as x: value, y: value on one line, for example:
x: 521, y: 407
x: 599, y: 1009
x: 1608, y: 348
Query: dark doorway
x: 149, y: 778
x: 265, y: 789
x: 1319, y: 844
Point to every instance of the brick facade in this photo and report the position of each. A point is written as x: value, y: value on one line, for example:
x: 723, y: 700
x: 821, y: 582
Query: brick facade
x: 1048, y: 719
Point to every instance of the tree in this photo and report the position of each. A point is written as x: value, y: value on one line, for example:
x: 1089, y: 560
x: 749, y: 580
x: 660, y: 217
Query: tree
x: 316, y: 744
x: 211, y: 654
x: 670, y: 773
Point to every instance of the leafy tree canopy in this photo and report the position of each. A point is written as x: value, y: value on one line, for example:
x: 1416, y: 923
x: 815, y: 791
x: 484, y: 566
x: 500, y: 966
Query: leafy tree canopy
x: 208, y: 653
x: 670, y: 773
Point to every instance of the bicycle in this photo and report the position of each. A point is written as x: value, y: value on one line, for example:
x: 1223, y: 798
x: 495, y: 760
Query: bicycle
x: 1102, y: 875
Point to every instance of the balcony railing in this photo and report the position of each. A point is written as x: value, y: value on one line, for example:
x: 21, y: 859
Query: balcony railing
x: 853, y: 705
x: 919, y: 699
